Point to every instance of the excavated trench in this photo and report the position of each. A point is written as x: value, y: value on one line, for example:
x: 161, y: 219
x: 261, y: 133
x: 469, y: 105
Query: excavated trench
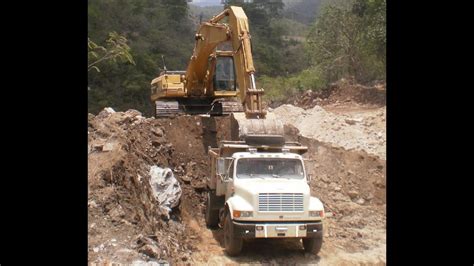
x: 125, y: 225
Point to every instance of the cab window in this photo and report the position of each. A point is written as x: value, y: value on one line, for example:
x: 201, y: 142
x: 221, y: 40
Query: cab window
x: 224, y: 74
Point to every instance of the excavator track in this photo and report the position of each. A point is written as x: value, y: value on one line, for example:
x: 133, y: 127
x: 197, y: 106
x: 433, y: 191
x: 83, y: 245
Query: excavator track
x: 217, y: 107
x: 226, y: 106
x: 167, y: 109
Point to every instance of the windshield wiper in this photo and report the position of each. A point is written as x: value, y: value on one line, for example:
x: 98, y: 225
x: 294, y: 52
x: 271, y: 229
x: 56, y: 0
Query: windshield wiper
x: 277, y: 176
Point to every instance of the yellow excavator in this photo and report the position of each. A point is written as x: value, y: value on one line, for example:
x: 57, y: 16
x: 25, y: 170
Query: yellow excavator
x: 219, y: 80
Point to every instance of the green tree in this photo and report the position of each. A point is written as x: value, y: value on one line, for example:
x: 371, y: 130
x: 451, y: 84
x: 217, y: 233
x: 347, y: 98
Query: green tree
x: 348, y: 39
x: 116, y: 48
x: 152, y: 28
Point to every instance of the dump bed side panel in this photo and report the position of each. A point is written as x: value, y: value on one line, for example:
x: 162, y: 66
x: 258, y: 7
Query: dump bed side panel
x: 212, y: 179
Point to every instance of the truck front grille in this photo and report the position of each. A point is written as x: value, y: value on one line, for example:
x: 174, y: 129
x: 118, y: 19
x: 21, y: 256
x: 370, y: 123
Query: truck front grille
x: 280, y: 202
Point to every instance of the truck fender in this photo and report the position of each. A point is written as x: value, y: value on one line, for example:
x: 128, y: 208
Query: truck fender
x: 315, y: 204
x: 237, y: 203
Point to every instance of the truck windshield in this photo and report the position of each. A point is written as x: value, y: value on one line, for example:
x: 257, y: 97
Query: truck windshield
x: 269, y: 168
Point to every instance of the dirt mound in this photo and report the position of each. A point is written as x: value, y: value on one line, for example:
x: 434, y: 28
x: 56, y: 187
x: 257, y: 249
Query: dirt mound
x: 345, y: 91
x: 125, y: 221
x: 361, y: 130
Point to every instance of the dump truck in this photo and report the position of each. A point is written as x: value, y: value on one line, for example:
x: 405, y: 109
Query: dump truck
x: 262, y: 191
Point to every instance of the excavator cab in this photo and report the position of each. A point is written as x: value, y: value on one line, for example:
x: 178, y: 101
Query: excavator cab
x: 224, y: 74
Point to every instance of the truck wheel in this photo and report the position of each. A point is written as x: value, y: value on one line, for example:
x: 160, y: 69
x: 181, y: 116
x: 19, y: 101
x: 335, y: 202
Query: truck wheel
x: 212, y: 216
x: 313, y: 244
x: 233, y: 244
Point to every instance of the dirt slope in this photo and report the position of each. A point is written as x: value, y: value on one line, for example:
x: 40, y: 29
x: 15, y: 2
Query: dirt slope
x: 350, y: 129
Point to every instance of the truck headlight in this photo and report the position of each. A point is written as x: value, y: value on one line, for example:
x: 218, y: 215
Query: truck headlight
x: 238, y: 214
x: 316, y: 214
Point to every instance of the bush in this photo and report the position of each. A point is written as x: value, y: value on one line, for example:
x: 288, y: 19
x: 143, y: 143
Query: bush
x: 279, y: 88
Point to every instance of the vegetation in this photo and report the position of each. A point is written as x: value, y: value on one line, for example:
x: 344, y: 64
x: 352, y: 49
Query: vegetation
x: 152, y: 28
x: 116, y: 48
x: 347, y: 39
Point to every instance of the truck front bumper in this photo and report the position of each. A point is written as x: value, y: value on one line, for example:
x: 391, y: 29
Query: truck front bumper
x: 278, y: 229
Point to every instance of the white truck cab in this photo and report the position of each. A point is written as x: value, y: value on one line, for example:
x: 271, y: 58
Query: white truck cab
x: 262, y: 192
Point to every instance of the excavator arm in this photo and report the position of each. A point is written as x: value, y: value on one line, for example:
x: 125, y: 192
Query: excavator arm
x: 207, y: 38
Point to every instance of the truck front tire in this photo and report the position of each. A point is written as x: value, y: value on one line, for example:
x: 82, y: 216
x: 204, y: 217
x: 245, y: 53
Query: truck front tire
x: 232, y: 243
x: 212, y: 216
x: 312, y: 244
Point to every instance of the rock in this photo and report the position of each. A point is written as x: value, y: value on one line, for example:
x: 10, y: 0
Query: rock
x: 353, y: 194
x: 132, y: 113
x: 92, y: 204
x: 108, y: 147
x: 360, y: 201
x: 96, y: 249
x: 165, y: 187
x: 117, y: 213
x: 157, y: 131
x: 97, y: 147
x: 150, y: 250
x: 325, y: 178
x: 148, y: 263
x: 353, y: 121
x: 124, y: 251
x: 186, y: 178
x: 337, y: 188
x: 198, y: 184
x: 109, y: 110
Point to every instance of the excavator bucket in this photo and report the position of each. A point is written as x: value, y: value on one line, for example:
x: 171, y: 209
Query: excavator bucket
x: 254, y: 131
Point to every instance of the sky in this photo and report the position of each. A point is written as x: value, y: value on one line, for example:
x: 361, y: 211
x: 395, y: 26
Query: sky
x: 206, y: 2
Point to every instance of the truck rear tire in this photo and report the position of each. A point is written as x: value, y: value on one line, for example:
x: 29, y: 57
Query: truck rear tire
x: 313, y: 244
x: 212, y: 216
x: 232, y: 243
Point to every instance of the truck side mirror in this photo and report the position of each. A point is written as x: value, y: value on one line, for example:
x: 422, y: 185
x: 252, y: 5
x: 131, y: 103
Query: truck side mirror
x: 310, y: 177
